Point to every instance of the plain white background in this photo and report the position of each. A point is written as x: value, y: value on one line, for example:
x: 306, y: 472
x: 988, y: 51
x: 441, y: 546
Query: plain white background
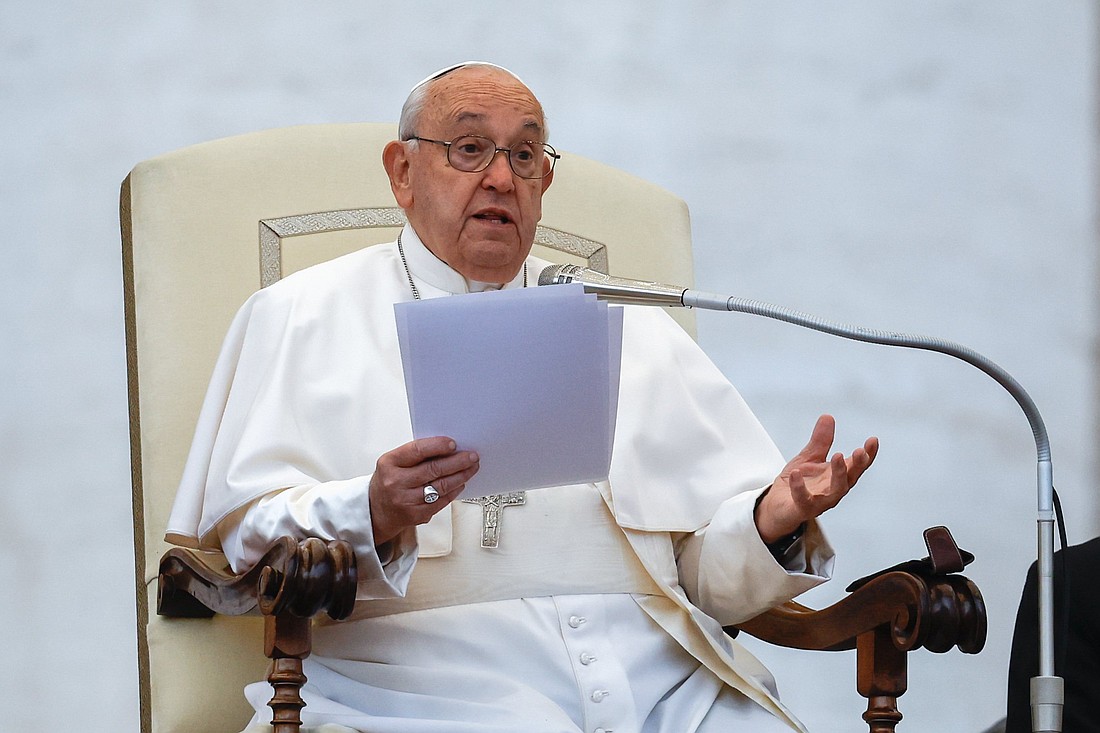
x: 919, y: 166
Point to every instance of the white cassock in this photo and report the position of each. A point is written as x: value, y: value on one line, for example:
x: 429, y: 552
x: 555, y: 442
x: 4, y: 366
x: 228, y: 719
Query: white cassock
x: 602, y: 607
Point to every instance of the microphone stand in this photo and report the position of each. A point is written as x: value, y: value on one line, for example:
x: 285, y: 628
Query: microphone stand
x: 1047, y: 689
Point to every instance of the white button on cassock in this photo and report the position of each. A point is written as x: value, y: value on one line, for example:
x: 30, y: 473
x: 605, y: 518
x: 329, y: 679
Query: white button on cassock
x: 603, y: 688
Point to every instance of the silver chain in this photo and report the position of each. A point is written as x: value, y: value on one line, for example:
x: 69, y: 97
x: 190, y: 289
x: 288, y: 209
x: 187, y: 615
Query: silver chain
x: 405, y: 263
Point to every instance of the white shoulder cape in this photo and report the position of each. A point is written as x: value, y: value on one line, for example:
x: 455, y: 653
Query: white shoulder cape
x: 308, y: 389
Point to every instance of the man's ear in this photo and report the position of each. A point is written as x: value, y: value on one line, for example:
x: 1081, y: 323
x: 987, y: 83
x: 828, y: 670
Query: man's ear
x: 547, y: 181
x: 395, y: 159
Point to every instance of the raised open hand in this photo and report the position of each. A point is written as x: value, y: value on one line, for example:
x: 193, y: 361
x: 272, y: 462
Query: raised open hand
x: 811, y: 483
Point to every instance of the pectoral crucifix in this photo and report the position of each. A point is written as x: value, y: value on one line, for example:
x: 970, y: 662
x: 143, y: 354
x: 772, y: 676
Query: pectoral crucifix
x: 492, y: 509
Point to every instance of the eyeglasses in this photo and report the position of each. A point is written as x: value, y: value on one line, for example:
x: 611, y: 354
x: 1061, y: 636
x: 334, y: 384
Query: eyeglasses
x: 474, y: 153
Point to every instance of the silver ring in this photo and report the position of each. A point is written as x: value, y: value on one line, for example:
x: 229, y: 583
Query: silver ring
x: 430, y: 494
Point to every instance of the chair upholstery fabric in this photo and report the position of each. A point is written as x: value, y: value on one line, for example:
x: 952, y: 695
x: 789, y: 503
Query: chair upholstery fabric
x: 197, y: 229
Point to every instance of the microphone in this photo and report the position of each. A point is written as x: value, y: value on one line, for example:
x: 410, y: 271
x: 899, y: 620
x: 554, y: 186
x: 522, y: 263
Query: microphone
x: 613, y: 289
x: 626, y: 291
x: 1046, y: 688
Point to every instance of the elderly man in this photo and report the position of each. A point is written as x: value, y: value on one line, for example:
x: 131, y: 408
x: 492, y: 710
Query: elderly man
x: 600, y: 608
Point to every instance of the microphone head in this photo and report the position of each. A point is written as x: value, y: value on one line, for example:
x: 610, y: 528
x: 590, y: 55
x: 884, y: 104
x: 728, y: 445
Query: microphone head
x: 613, y: 289
x: 557, y: 274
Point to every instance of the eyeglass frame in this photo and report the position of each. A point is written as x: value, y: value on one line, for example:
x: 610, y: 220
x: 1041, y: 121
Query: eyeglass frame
x: 548, y: 151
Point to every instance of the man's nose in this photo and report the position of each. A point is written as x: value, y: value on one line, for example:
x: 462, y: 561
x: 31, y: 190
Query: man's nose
x: 498, y: 174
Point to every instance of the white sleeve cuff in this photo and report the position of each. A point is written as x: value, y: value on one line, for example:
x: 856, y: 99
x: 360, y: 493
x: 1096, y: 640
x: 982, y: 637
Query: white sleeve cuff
x: 728, y: 571
x: 327, y: 511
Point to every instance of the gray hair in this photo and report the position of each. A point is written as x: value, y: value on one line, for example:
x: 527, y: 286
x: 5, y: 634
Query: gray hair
x: 418, y: 97
x: 410, y: 111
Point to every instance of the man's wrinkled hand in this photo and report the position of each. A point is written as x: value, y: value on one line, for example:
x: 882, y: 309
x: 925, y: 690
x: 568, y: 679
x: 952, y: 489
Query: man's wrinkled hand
x: 397, y: 486
x: 811, y: 483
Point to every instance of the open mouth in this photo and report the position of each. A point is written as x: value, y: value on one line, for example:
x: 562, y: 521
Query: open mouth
x: 494, y: 217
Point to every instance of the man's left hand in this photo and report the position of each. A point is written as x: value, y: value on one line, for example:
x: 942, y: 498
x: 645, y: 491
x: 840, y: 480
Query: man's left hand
x: 811, y: 483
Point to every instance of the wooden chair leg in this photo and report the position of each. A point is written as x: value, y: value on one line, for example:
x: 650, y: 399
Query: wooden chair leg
x: 286, y: 705
x: 881, y: 678
x: 287, y: 641
x: 882, y: 714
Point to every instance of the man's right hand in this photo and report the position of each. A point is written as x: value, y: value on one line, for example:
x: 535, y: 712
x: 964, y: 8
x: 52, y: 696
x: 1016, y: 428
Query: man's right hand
x: 397, y: 486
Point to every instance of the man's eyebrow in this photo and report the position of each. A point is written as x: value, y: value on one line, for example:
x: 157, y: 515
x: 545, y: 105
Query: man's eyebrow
x: 468, y: 116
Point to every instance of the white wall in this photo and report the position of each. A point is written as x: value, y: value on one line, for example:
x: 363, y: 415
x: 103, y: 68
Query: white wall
x: 913, y: 166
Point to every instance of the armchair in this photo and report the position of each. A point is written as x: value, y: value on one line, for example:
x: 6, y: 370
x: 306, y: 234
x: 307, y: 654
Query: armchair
x: 205, y: 226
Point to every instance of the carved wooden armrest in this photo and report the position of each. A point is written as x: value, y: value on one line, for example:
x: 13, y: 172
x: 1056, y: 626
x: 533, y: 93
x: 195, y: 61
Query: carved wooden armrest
x: 885, y: 617
x: 292, y: 582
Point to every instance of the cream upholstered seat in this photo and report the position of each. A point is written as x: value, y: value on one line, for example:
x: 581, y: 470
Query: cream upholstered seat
x: 204, y: 227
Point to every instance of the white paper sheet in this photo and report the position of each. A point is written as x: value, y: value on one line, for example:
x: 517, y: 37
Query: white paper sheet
x: 528, y: 378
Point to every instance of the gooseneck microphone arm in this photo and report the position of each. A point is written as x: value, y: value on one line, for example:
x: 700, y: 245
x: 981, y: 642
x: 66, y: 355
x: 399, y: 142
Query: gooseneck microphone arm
x: 1047, y: 693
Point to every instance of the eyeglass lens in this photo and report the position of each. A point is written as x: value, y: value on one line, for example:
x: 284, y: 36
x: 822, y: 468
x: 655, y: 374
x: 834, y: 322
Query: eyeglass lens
x: 473, y: 153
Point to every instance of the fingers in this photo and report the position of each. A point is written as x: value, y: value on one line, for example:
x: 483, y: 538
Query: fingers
x: 432, y: 461
x: 871, y: 447
x: 813, y: 482
x: 397, y: 498
x: 823, y: 480
x: 819, y: 487
x: 800, y: 493
x: 417, y: 451
x: 839, y: 472
x: 827, y: 488
x: 861, y: 460
x: 821, y: 440
x: 810, y: 491
x: 451, y: 485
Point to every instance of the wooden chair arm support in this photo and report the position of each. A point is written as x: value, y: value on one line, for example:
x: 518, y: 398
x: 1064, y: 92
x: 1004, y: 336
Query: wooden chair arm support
x: 292, y: 582
x: 891, y: 615
x: 937, y: 613
x: 300, y: 578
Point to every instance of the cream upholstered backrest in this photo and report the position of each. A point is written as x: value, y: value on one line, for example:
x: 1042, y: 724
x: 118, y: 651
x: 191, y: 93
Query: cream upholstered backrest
x: 204, y: 227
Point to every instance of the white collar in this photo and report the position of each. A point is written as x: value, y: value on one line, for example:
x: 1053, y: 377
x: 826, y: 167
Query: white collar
x: 425, y: 267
